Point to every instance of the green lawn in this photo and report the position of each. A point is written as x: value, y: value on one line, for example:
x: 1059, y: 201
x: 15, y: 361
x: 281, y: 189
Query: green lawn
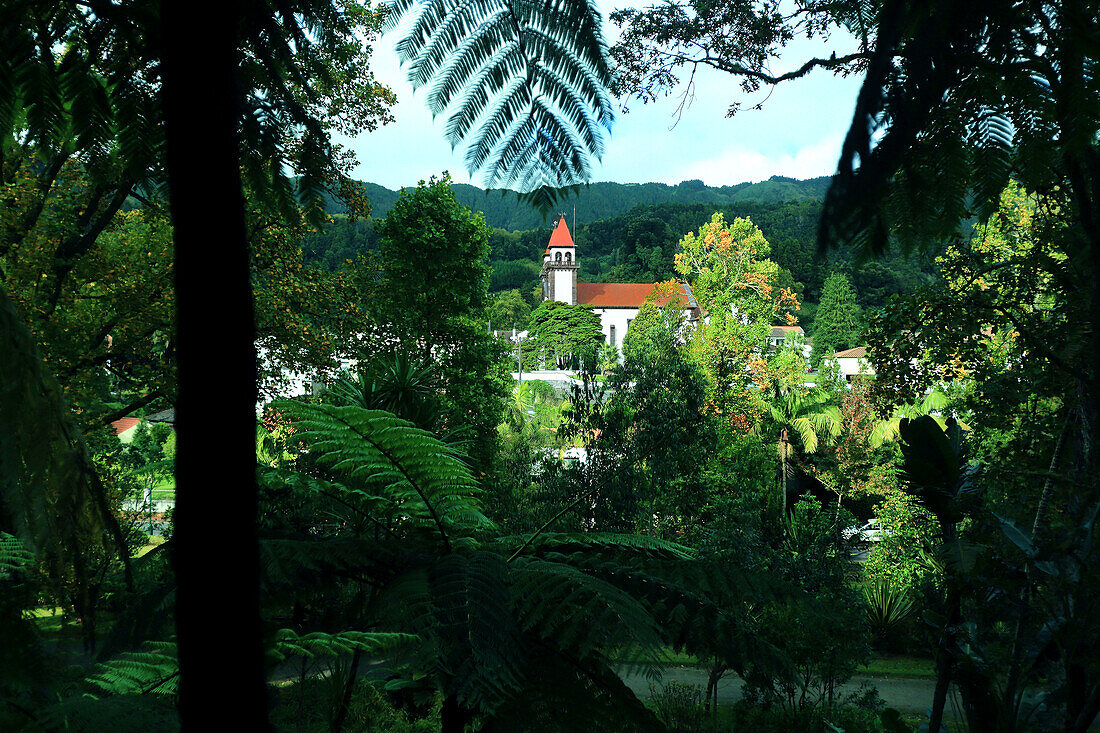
x: 899, y: 665
x: 164, y: 488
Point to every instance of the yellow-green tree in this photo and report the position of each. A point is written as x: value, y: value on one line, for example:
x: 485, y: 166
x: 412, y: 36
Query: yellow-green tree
x: 734, y: 282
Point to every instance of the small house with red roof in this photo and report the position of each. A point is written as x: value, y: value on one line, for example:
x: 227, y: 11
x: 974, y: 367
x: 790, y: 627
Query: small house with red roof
x: 125, y: 428
x: 615, y: 303
x: 852, y: 363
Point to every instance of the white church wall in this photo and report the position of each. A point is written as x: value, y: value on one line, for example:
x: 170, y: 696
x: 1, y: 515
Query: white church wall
x: 619, y: 318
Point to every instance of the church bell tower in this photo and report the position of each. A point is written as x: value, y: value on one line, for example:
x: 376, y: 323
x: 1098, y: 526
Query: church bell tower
x: 559, y: 266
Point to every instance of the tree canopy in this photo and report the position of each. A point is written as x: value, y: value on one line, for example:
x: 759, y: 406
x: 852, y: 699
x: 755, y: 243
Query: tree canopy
x: 563, y: 334
x: 837, y: 321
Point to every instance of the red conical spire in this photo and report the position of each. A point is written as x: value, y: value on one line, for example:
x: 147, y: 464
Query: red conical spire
x: 561, y: 236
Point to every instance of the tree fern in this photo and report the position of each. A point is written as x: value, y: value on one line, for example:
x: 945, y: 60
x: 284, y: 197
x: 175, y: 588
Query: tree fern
x: 423, y: 475
x: 497, y: 620
x: 522, y: 83
x: 154, y: 671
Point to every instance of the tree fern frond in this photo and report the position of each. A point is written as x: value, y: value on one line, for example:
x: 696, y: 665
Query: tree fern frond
x: 503, y: 54
x: 577, y: 695
x: 286, y: 643
x: 154, y: 671
x: 462, y: 606
x: 15, y: 557
x: 579, y: 611
x: 477, y: 87
x: 565, y: 542
x: 421, y: 473
x: 458, y: 49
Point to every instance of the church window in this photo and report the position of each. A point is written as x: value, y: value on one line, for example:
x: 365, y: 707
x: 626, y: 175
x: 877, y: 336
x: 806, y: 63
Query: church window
x: 568, y: 256
x: 612, y: 335
x: 558, y: 257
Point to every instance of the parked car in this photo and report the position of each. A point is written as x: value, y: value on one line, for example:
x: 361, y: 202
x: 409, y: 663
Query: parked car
x: 869, y: 532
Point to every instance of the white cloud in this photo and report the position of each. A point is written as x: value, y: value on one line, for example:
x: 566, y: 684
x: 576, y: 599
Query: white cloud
x: 736, y: 164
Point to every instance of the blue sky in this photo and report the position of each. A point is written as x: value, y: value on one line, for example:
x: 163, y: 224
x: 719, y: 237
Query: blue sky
x: 798, y: 133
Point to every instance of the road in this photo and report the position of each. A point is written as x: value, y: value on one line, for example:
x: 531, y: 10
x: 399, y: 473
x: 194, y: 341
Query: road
x: 902, y: 693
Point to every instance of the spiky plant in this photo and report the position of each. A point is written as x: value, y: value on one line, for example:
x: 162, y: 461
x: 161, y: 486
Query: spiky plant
x: 522, y: 83
x: 888, y: 605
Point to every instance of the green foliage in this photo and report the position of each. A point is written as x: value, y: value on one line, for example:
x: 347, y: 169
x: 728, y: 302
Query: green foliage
x: 432, y: 302
x: 563, y: 335
x: 45, y: 466
x: 837, y: 321
x: 508, y: 310
x: 405, y: 464
x: 647, y: 250
x: 498, y: 621
x: 823, y: 634
x: 636, y: 342
x: 154, y: 671
x: 309, y: 706
x: 679, y: 706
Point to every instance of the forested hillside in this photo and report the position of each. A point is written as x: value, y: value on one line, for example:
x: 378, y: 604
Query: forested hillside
x: 629, y: 233
x: 606, y: 200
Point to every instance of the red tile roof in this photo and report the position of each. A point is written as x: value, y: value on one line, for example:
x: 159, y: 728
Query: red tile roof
x: 123, y: 424
x: 561, y: 236
x: 858, y: 352
x: 781, y: 331
x: 619, y: 295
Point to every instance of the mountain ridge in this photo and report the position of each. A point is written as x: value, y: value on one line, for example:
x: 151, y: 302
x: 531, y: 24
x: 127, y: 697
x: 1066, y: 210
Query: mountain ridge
x: 606, y: 199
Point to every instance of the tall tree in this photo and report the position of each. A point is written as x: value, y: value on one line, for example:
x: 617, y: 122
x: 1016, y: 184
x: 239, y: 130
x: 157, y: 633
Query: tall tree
x: 735, y: 284
x: 432, y: 303
x: 508, y: 309
x: 837, y: 321
x: 101, y: 89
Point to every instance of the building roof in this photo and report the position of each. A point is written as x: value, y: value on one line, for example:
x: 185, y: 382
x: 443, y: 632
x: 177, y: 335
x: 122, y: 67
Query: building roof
x: 561, y: 236
x: 168, y: 416
x: 123, y: 424
x: 622, y: 295
x: 779, y: 332
x: 858, y: 352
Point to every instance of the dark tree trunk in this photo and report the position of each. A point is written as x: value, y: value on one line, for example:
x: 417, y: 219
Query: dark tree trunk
x: 349, y: 690
x: 945, y: 652
x: 452, y: 716
x: 216, y: 558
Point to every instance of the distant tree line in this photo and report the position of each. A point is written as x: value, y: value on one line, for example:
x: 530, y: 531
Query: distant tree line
x: 639, y: 246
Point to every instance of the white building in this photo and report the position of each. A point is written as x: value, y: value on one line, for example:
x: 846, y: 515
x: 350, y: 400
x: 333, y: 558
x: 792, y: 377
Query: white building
x: 615, y: 303
x: 853, y: 363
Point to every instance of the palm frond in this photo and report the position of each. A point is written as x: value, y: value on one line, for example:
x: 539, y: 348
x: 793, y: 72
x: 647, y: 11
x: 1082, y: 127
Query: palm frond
x: 523, y: 83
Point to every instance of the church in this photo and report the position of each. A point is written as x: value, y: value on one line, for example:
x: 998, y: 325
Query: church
x: 615, y: 303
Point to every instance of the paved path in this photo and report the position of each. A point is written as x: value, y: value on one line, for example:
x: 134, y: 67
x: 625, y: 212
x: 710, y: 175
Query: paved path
x: 905, y: 694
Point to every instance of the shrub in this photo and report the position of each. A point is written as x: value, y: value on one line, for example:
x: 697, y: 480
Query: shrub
x: 679, y: 705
